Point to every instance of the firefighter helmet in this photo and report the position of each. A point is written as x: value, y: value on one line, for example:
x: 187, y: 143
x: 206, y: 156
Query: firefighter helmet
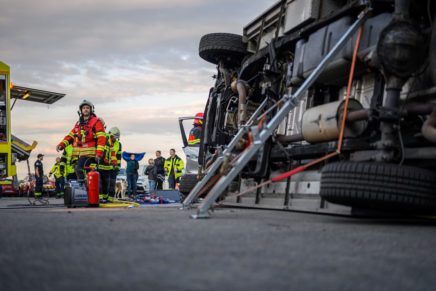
x: 198, y: 121
x: 115, y: 132
x: 86, y: 102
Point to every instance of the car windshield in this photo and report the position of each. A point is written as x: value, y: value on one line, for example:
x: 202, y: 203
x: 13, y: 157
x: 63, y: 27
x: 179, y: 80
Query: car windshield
x: 122, y: 171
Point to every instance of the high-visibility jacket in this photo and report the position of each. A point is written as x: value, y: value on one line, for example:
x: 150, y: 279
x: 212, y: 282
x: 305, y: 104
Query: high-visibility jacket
x: 88, y: 139
x: 194, y: 136
x: 68, y: 161
x: 118, y: 154
x: 109, y: 157
x: 178, y: 165
x: 58, y: 172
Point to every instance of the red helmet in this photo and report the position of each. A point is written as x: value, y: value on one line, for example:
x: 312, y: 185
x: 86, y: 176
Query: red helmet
x: 198, y: 121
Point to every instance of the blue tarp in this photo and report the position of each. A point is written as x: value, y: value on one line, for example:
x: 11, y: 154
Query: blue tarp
x: 138, y: 156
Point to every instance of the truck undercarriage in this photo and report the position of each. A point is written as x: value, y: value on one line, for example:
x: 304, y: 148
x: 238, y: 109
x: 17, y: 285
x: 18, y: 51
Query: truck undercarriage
x: 323, y: 106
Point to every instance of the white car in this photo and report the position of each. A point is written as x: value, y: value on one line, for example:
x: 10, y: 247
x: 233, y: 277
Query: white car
x: 141, y: 184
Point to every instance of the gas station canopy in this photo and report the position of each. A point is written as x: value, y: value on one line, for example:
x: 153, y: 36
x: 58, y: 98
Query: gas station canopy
x: 35, y: 95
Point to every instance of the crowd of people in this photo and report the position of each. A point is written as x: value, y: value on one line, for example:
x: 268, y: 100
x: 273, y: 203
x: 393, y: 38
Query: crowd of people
x: 157, y: 171
x: 88, y: 146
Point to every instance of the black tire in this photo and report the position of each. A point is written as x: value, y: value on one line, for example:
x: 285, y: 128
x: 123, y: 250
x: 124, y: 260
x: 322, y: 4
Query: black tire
x: 67, y: 196
x: 187, y: 183
x: 379, y: 186
x: 222, y: 46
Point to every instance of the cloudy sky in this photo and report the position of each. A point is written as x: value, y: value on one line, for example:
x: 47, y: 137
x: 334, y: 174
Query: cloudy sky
x: 136, y: 60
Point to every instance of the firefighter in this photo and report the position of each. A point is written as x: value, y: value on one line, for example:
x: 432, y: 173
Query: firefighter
x: 69, y: 162
x: 114, y: 134
x: 105, y: 168
x: 195, y: 133
x: 173, y: 166
x: 59, y: 173
x: 39, y: 176
x: 87, y: 137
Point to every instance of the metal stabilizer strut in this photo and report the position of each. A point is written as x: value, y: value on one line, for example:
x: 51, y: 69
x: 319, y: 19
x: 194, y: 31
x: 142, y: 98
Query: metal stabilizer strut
x: 259, y: 138
x: 217, y: 164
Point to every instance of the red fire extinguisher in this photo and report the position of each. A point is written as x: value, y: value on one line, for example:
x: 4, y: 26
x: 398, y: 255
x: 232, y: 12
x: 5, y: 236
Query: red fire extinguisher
x: 93, y: 188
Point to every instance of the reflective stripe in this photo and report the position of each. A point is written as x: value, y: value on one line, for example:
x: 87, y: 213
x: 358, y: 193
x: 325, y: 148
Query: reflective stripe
x: 105, y: 167
x: 83, y: 151
x: 195, y: 141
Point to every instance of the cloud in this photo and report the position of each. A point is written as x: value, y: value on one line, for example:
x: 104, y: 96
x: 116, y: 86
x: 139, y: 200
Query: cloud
x: 137, y: 60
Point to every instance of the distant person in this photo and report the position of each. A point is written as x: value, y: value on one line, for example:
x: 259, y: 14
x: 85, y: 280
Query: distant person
x: 59, y: 173
x: 39, y: 176
x: 114, y: 133
x: 174, y: 166
x: 106, y: 167
x: 195, y: 133
x: 159, y: 163
x: 151, y: 172
x: 69, y: 162
x: 131, y: 170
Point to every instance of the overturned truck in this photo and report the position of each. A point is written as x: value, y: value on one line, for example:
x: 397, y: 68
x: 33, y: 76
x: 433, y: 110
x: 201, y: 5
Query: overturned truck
x: 325, y: 106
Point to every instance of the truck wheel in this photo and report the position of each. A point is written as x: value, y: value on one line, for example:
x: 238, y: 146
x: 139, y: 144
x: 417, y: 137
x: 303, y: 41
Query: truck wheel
x: 379, y: 186
x: 187, y: 183
x: 222, y: 46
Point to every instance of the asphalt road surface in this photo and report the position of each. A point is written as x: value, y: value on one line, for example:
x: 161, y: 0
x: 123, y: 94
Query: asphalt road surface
x: 161, y: 248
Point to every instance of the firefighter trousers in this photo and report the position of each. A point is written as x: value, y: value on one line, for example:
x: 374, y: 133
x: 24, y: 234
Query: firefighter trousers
x: 38, y: 186
x: 83, y: 162
x: 60, y: 185
x: 105, y: 179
